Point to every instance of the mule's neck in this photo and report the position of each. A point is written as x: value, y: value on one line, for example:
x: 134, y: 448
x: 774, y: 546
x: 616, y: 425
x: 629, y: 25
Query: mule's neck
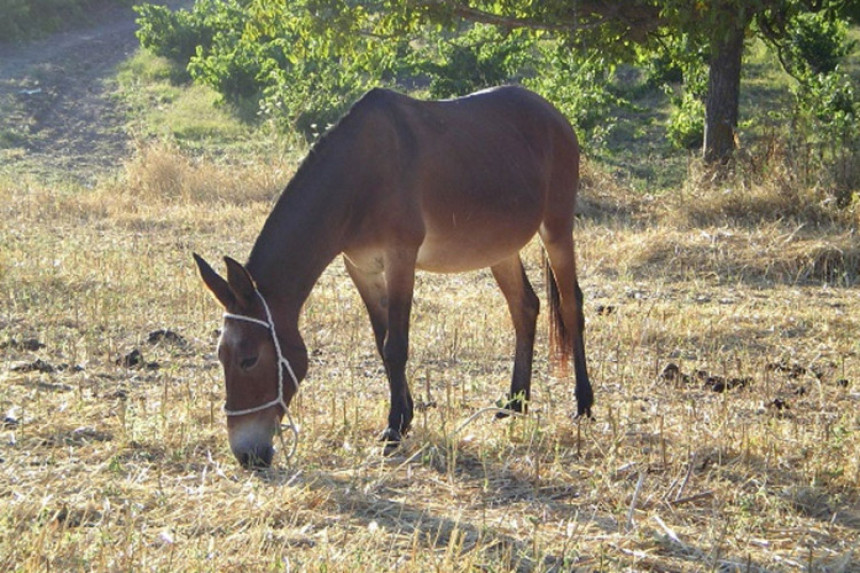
x: 313, y: 219
x: 302, y: 235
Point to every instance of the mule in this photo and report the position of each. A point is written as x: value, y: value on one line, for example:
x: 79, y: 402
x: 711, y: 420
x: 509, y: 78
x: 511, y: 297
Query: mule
x: 397, y: 185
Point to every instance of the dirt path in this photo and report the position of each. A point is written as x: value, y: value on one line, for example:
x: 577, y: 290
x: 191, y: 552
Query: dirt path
x: 57, y: 113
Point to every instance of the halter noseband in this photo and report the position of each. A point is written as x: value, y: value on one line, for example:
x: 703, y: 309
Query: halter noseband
x: 269, y: 324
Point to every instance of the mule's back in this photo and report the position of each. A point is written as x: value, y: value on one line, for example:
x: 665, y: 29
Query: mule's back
x: 484, y: 171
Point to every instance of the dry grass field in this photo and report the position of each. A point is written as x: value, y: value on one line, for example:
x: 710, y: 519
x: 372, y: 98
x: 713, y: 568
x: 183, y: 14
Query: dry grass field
x: 722, y: 330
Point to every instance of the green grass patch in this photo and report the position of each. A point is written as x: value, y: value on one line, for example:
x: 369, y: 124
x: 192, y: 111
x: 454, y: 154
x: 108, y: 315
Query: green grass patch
x: 166, y: 105
x: 11, y: 139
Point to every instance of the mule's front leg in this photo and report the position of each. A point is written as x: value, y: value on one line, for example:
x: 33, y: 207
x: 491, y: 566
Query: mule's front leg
x: 400, y: 281
x: 400, y: 413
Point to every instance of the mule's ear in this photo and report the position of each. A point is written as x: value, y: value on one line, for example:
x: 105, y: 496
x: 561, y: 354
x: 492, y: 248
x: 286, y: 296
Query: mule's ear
x: 216, y: 285
x: 240, y: 282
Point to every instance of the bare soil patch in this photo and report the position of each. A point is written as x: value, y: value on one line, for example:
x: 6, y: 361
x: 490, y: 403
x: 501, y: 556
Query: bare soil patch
x: 58, y: 113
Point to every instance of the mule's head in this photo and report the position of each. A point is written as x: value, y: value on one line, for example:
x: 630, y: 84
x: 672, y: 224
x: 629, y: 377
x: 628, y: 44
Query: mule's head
x: 253, y: 369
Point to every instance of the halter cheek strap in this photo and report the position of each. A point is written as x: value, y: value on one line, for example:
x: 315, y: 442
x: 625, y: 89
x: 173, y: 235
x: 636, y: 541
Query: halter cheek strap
x: 283, y: 363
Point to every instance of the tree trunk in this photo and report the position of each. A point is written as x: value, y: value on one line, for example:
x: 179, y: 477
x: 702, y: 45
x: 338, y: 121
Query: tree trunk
x: 724, y: 83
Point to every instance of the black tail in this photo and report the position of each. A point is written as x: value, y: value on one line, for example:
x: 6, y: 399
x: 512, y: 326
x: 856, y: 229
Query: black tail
x: 560, y: 341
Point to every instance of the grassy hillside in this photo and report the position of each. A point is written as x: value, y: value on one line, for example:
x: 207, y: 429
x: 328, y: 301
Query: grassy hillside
x: 721, y: 331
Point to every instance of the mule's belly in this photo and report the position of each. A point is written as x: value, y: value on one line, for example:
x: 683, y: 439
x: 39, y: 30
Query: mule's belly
x: 441, y: 258
x: 463, y: 245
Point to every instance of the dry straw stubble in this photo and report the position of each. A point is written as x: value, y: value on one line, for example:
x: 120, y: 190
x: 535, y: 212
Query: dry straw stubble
x: 113, y: 466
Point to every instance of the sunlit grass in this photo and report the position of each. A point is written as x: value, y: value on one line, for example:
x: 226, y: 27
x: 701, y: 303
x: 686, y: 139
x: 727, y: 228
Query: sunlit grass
x: 165, y: 104
x: 107, y: 467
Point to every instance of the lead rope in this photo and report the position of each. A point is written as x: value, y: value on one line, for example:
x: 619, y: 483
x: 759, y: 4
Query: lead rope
x: 269, y: 324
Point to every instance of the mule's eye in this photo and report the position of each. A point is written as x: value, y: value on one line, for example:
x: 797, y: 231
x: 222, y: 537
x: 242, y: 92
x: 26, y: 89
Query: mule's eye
x: 248, y: 363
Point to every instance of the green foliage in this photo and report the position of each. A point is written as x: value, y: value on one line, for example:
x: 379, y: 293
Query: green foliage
x: 578, y: 85
x: 299, y: 64
x: 680, y: 67
x: 686, y: 128
x: 275, y: 59
x: 825, y: 119
x: 816, y: 43
x: 310, y: 95
x: 826, y: 126
x: 175, y: 35
x: 16, y: 15
x: 481, y: 57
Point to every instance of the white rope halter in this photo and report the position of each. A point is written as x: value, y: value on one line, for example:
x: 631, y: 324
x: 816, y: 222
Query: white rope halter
x: 269, y: 324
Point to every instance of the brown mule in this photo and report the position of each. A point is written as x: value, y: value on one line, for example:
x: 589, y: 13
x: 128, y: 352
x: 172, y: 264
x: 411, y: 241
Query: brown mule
x: 399, y: 185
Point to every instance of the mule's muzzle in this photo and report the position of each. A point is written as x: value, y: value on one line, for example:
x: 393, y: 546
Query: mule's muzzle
x: 257, y: 458
x: 251, y: 440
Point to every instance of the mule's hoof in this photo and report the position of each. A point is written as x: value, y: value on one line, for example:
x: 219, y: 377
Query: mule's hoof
x: 391, y: 440
x: 583, y: 413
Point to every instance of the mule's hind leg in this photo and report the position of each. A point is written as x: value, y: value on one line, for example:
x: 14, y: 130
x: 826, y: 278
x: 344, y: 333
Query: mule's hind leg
x: 568, y: 308
x: 524, y: 305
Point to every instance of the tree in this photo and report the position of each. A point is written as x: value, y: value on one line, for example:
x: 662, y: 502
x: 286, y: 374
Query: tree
x: 303, y: 61
x: 719, y: 27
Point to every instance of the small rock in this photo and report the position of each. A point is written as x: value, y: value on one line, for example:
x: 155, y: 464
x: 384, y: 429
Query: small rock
x: 31, y: 344
x: 133, y: 359
x: 671, y: 372
x: 779, y: 408
x: 720, y: 384
x: 70, y: 367
x: 37, y: 365
x: 165, y: 335
x: 716, y: 383
x: 604, y: 309
x: 793, y: 370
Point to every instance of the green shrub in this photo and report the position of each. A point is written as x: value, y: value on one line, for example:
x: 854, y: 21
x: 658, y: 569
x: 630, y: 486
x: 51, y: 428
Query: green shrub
x: 817, y: 44
x: 826, y: 134
x: 481, y: 57
x: 825, y: 120
x: 686, y: 128
x: 183, y: 34
x: 271, y: 59
x: 579, y: 87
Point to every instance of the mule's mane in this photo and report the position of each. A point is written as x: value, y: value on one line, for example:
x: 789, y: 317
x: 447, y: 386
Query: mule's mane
x: 301, y: 184
x: 322, y: 146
